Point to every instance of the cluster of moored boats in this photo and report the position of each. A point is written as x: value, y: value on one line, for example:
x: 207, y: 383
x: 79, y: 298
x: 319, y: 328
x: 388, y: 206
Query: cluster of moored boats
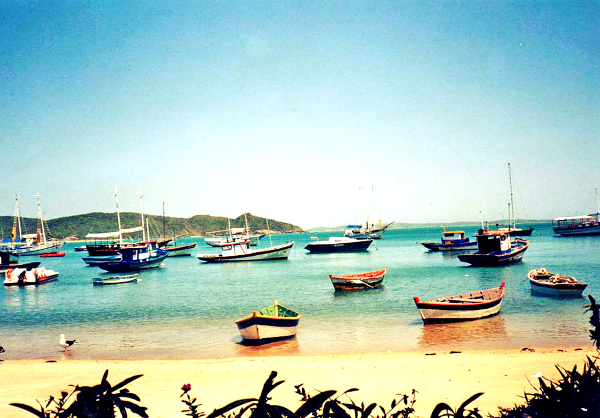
x: 496, y: 247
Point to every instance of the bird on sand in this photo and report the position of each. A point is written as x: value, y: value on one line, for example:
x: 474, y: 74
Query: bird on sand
x: 65, y: 344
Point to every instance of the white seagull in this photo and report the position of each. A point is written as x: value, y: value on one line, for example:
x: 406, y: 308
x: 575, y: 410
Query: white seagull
x: 64, y: 343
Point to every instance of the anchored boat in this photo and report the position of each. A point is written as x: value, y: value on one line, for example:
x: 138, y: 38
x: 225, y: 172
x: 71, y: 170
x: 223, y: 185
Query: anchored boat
x: 367, y: 280
x: 462, y: 307
x: 272, y: 323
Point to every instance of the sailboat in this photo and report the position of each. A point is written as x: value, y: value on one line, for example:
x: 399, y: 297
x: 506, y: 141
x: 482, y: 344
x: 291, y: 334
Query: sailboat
x: 143, y: 255
x: 105, y: 244
x: 368, y: 230
x: 512, y: 226
x: 36, y: 244
x: 241, y: 251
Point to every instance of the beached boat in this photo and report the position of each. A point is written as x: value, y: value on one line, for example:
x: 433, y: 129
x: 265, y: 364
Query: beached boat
x: 34, y: 276
x: 10, y: 260
x: 367, y: 280
x: 272, y: 323
x: 56, y: 254
x: 241, y: 251
x: 462, y: 307
x: 104, y: 281
x: 495, y: 248
x: 135, y: 258
x: 546, y: 283
x: 452, y: 241
x: 339, y: 244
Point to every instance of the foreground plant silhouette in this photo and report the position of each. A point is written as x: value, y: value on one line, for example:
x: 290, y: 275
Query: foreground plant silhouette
x: 100, y: 401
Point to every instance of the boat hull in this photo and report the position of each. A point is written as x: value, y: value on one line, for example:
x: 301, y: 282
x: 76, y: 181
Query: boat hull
x: 279, y: 252
x: 264, y: 330
x: 338, y: 246
x: 180, y: 250
x: 463, y: 307
x: 584, y: 230
x: 47, y: 248
x: 368, y: 280
x: 123, y: 266
x: 94, y: 261
x: 26, y: 266
x: 434, y: 246
x: 496, y: 258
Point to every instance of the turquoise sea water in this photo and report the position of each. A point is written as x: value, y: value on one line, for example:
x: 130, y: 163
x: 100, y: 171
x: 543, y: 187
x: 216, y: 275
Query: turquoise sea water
x: 186, y: 309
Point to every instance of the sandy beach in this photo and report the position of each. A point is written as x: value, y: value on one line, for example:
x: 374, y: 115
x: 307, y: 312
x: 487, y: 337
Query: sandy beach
x: 451, y: 377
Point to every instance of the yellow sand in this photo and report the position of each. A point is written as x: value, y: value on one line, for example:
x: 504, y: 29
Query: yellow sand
x: 503, y: 375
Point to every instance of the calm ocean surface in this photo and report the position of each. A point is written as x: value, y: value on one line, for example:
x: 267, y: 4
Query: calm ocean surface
x: 186, y: 309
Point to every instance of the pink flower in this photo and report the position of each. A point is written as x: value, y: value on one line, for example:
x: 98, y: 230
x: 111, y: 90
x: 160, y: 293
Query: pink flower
x: 186, y: 388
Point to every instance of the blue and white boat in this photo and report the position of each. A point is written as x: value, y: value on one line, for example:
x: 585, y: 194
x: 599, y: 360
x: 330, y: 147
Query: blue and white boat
x: 495, y: 248
x: 451, y: 241
x: 137, y: 257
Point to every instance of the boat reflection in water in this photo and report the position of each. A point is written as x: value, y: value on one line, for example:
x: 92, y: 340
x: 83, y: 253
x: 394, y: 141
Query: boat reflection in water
x: 481, y: 332
x: 289, y: 347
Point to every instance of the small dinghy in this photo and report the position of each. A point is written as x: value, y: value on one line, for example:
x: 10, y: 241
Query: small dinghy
x: 367, y: 280
x: 102, y: 281
x: 551, y: 284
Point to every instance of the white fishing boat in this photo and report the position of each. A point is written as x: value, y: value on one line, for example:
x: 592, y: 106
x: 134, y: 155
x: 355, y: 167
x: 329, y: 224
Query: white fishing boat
x: 241, y: 251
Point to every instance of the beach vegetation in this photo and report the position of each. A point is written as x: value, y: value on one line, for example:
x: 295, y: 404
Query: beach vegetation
x: 99, y: 401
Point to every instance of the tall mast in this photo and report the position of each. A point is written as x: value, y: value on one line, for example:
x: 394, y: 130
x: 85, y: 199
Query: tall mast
x: 511, y: 208
x: 41, y: 218
x: 164, y: 222
x: 359, y: 206
x: 142, y: 214
x: 118, y: 214
x: 17, y: 220
x: 372, y: 206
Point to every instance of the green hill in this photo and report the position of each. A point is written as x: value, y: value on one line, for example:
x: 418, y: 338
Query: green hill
x: 78, y: 226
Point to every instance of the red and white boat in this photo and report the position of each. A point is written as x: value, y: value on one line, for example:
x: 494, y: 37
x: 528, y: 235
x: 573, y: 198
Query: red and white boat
x: 367, y: 280
x: 462, y: 307
x: 23, y: 277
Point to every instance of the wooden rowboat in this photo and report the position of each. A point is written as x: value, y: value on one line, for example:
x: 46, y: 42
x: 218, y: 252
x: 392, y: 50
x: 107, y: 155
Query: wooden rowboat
x: 56, y: 254
x: 272, y: 323
x: 367, y: 280
x: 101, y: 281
x: 463, y: 307
x: 546, y: 283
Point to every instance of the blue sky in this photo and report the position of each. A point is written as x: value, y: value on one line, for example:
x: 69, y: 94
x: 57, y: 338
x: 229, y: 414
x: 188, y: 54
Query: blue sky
x: 286, y: 108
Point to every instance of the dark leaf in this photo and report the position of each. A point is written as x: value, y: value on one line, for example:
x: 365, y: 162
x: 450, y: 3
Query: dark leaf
x: 229, y: 407
x: 314, y: 403
x: 29, y: 409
